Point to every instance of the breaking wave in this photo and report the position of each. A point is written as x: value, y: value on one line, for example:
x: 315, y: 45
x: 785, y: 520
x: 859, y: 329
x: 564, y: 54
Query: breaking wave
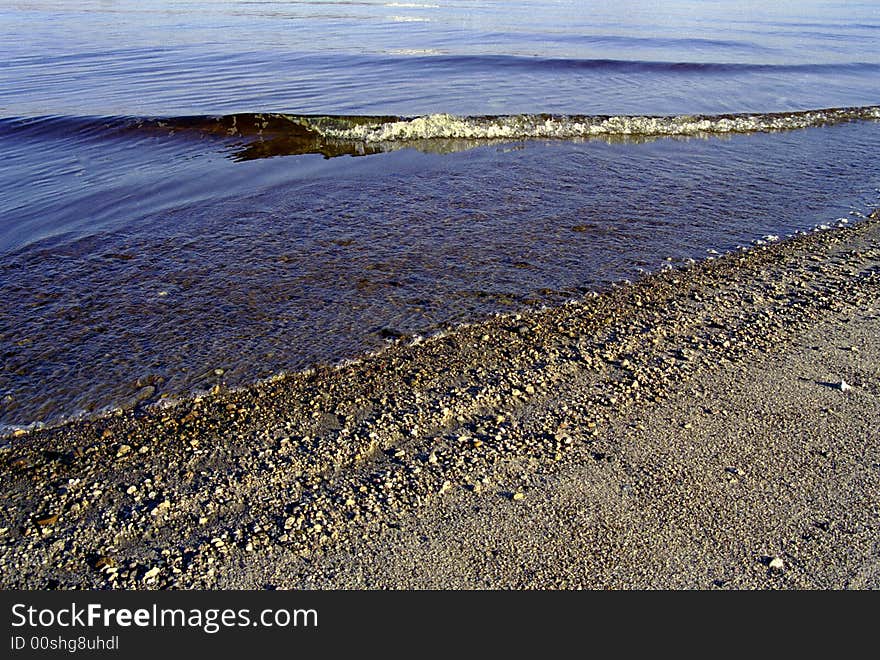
x: 261, y: 135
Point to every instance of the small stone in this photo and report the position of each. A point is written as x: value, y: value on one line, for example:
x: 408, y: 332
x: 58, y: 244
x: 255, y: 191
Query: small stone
x: 516, y: 497
x: 160, y: 508
x: 151, y: 574
x: 144, y: 393
x: 777, y: 564
x: 47, y: 520
x: 562, y: 435
x: 123, y: 450
x: 844, y: 386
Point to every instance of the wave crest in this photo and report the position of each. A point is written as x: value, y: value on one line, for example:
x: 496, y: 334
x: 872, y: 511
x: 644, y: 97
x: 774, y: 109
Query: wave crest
x: 263, y: 135
x: 566, y: 127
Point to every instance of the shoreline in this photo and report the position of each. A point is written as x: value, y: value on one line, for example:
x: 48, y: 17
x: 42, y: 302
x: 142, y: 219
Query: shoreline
x: 308, y: 480
x: 140, y: 402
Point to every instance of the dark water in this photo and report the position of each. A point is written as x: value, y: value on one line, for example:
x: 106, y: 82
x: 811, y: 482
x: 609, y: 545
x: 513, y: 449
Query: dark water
x: 202, y: 192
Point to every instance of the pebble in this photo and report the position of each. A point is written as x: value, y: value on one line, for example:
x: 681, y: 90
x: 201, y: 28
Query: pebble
x: 518, y: 496
x: 777, y: 564
x: 48, y: 520
x: 844, y: 386
x: 143, y: 394
x: 151, y: 574
x: 160, y: 508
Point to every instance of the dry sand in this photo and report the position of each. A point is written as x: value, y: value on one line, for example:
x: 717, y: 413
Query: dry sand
x: 692, y: 430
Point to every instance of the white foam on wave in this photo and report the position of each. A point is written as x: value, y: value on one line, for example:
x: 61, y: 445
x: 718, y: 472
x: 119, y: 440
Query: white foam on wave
x: 414, y: 51
x: 447, y: 126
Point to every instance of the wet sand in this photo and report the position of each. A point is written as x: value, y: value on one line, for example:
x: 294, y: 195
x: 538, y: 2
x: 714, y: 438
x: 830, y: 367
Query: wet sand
x: 713, y: 427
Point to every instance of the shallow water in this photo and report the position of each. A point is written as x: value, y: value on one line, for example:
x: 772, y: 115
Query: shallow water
x: 491, y: 156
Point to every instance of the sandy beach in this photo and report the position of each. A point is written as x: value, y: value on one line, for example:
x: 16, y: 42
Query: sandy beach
x: 708, y: 427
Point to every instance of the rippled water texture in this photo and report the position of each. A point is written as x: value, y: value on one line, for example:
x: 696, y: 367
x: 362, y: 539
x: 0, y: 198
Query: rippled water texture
x: 197, y: 192
x: 150, y: 57
x: 325, y: 258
